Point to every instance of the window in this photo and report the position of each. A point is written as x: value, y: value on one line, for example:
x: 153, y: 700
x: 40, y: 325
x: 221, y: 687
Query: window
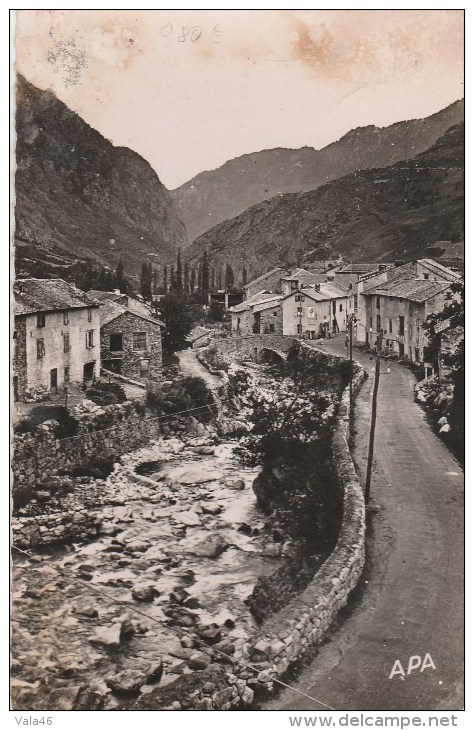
x: 299, y: 297
x: 294, y: 285
x: 371, y: 322
x: 66, y: 317
x: 66, y: 342
x: 410, y: 331
x: 378, y: 323
x: 40, y: 351
x: 116, y: 341
x: 401, y: 327
x: 355, y: 302
x: 139, y: 341
x: 340, y: 307
x: 89, y: 314
x: 377, y: 304
x: 40, y: 319
x: 390, y: 326
x: 271, y: 327
x: 275, y: 314
x: 90, y: 339
x: 67, y: 373
x: 426, y: 276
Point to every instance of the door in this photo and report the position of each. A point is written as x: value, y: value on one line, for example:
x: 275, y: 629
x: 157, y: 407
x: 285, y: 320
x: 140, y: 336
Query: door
x: 89, y: 371
x: 256, y: 323
x: 401, y: 349
x: 54, y: 380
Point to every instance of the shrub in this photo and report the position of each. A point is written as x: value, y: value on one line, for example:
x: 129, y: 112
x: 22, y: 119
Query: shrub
x: 106, y: 394
x: 184, y: 394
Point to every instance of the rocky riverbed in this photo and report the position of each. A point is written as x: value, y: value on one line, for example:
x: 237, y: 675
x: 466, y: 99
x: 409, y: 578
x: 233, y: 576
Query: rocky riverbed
x: 180, y: 541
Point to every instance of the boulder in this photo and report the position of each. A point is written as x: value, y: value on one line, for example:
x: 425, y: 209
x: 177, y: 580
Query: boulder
x: 107, y: 636
x: 237, y: 484
x: 190, y: 519
x: 209, y: 548
x: 199, y: 661
x: 145, y: 593
x: 211, y: 509
x: 445, y: 429
x: 442, y: 421
x: 272, y: 550
x: 127, y: 682
x: 211, y: 635
x: 155, y: 671
x: 200, y: 476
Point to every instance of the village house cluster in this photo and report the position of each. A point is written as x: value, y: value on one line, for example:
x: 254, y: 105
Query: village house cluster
x: 378, y: 300
x: 63, y: 336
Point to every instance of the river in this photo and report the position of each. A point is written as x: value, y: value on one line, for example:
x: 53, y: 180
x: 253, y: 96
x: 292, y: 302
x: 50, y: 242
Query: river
x: 184, y: 545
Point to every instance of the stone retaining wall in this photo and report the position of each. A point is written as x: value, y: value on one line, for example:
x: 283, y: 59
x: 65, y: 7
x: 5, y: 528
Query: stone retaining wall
x: 54, y: 527
x: 40, y: 455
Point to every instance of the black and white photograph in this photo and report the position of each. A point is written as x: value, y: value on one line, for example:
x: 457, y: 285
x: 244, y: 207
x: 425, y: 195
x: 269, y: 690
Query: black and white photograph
x: 237, y: 366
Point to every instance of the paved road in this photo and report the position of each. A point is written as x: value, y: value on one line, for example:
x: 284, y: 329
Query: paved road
x: 410, y: 600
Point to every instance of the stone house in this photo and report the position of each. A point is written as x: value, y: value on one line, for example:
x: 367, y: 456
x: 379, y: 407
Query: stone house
x: 199, y: 337
x: 56, y: 337
x: 316, y: 311
x: 271, y: 282
x: 300, y: 279
x: 261, y: 314
x: 398, y: 308
x: 130, y: 343
x: 350, y: 274
x: 429, y: 270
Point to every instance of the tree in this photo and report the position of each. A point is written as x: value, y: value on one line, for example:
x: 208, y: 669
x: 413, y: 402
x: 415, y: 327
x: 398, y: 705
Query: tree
x: 119, y: 276
x: 213, y: 278
x: 165, y: 279
x: 145, y: 281
x: 205, y: 273
x: 216, y: 311
x: 179, y: 273
x: 178, y: 319
x: 155, y: 282
x: 172, y: 279
x: 186, y: 276
x: 192, y: 282
x: 229, y: 277
x: 219, y: 278
x: 244, y: 275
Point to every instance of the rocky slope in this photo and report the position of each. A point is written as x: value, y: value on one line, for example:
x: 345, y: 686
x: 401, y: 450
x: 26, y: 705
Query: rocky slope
x: 216, y: 195
x: 78, y: 196
x: 378, y: 214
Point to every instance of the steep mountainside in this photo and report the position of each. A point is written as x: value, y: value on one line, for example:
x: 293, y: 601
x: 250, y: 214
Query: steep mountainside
x: 214, y: 196
x: 379, y: 214
x: 78, y: 196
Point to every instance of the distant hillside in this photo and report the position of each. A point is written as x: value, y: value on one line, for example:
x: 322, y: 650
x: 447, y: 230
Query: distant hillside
x: 78, y: 196
x: 212, y: 197
x: 371, y: 215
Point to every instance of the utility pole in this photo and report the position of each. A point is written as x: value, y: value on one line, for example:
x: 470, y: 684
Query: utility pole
x: 351, y: 324
x: 374, y: 417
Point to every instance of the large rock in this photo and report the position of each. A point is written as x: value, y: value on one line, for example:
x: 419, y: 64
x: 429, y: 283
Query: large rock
x: 199, y: 661
x: 127, y: 682
x: 144, y: 592
x: 209, y: 548
x: 107, y: 636
x: 190, y: 519
x: 200, y: 476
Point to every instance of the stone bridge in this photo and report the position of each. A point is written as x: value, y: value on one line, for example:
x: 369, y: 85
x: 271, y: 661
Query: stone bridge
x: 254, y: 347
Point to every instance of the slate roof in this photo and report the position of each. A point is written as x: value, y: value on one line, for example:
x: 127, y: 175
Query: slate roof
x: 111, y: 310
x: 268, y: 304
x: 326, y: 292
x: 48, y: 295
x: 306, y: 277
x: 258, y: 297
x: 406, y: 287
x: 197, y: 332
x: 265, y: 276
x: 440, y: 270
x: 133, y: 305
x: 357, y: 268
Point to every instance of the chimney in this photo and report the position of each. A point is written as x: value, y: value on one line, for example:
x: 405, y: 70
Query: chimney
x: 317, y: 287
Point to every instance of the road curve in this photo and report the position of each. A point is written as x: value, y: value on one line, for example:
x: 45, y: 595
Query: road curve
x: 409, y: 601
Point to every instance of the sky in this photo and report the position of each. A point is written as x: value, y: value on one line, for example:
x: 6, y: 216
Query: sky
x: 190, y: 89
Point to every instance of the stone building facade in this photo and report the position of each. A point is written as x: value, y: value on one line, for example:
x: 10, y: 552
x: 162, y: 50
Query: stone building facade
x: 399, y: 309
x: 131, y: 344
x: 56, y: 337
x: 316, y: 312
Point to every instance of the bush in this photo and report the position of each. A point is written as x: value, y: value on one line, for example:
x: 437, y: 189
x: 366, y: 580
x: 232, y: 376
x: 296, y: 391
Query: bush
x: 106, y: 394
x: 184, y: 394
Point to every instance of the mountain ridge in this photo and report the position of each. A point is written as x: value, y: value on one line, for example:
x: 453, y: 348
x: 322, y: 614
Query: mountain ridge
x: 220, y: 194
x: 79, y: 196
